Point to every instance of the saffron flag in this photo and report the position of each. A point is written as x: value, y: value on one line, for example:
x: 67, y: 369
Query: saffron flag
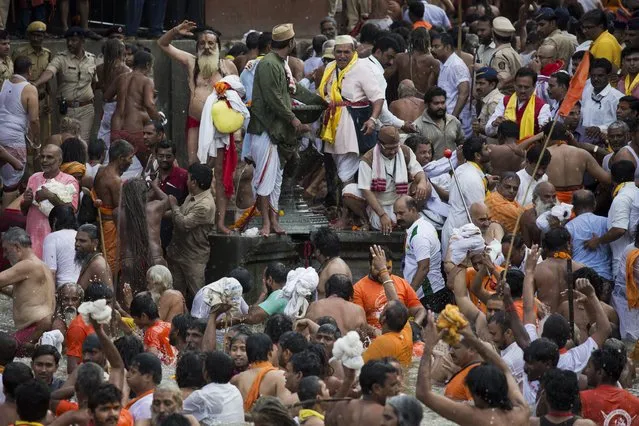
x: 577, y: 84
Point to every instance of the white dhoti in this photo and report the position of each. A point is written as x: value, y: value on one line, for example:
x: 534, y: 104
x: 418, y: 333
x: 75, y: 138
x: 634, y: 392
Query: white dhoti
x: 16, y: 145
x: 267, y: 177
x: 351, y: 190
x: 347, y: 165
x: 104, y: 132
x: 628, y: 318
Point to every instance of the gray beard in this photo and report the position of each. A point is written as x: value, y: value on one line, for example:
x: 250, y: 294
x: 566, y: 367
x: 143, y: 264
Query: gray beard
x: 209, y: 64
x: 82, y: 258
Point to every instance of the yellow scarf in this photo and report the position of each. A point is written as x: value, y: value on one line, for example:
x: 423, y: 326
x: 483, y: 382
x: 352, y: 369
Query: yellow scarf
x: 527, y: 125
x: 561, y: 255
x: 618, y: 188
x: 306, y: 413
x: 475, y: 165
x: 631, y: 86
x: 21, y: 423
x: 329, y: 129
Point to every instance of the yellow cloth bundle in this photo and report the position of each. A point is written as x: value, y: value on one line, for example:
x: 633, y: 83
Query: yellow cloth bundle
x: 451, y: 320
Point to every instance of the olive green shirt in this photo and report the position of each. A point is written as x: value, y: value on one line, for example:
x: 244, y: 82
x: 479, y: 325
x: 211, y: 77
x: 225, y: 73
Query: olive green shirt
x: 39, y: 60
x: 271, y: 107
x: 6, y: 69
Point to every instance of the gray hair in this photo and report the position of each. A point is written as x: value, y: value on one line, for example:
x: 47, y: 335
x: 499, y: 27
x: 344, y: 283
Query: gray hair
x: 77, y: 287
x: 120, y: 148
x: 408, y: 410
x: 160, y: 277
x: 406, y: 89
x: 173, y: 389
x: 620, y: 125
x: 17, y: 236
x: 91, y: 230
x: 328, y: 19
x: 90, y: 376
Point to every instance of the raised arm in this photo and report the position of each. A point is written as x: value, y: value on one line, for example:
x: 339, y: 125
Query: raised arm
x: 112, y: 355
x: 184, y: 29
x: 209, y: 341
x: 595, y: 169
x: 379, y: 270
x: 485, y: 270
x: 603, y: 324
x: 456, y: 281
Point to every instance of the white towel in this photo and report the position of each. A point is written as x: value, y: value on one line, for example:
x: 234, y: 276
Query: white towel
x: 560, y: 211
x: 226, y: 290
x: 64, y: 192
x: 348, y: 350
x: 379, y: 172
x: 98, y: 310
x: 209, y: 136
x: 465, y: 240
x: 54, y: 338
x: 300, y: 283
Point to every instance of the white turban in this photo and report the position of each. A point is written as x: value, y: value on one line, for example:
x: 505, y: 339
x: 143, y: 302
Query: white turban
x: 300, y: 283
x: 465, y: 240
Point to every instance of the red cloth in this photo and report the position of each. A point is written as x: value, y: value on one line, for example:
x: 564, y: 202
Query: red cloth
x: 550, y: 69
x: 192, y: 123
x: 519, y: 113
x: 609, y: 405
x: 228, y: 166
x: 134, y: 138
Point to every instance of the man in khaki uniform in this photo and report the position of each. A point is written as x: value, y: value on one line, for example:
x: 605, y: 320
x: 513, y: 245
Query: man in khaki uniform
x: 506, y: 61
x: 4, y: 12
x: 6, y: 64
x: 40, y: 58
x: 564, y: 42
x: 75, y: 70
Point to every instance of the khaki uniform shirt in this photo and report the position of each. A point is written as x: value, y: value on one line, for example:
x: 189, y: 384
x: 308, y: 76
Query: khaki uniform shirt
x: 490, y: 102
x: 75, y: 75
x: 6, y: 69
x: 506, y: 61
x: 485, y: 53
x: 39, y: 60
x: 193, y: 222
x: 565, y: 44
x: 449, y: 137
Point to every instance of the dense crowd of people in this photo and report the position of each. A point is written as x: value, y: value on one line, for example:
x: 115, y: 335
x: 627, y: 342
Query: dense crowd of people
x: 505, y: 154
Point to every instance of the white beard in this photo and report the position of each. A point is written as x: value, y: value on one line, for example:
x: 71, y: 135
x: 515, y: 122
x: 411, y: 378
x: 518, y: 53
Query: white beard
x: 541, y: 207
x: 208, y: 64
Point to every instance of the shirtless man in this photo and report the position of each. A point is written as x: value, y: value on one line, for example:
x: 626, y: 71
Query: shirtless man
x: 89, y: 257
x: 69, y: 128
x: 379, y: 381
x: 338, y: 305
x: 551, y: 274
x: 507, y: 155
x: 326, y: 244
x: 33, y: 290
x: 544, y: 198
x: 408, y: 107
x: 135, y: 93
x: 569, y: 163
x: 108, y: 72
x: 204, y: 70
x: 139, y: 217
x: 261, y: 378
x: 480, y: 218
x: 106, y: 194
x: 418, y: 65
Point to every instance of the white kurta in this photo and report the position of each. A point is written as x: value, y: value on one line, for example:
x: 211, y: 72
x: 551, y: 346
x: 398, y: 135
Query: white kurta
x: 357, y: 85
x: 471, y: 183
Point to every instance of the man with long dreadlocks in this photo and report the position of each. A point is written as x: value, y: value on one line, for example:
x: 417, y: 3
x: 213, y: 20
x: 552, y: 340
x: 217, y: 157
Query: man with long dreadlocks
x: 204, y: 71
x: 139, y: 215
x: 114, y: 65
x: 135, y: 106
x: 418, y: 64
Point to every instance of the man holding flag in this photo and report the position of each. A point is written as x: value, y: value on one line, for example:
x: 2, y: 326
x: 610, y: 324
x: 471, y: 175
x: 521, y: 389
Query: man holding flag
x: 524, y: 107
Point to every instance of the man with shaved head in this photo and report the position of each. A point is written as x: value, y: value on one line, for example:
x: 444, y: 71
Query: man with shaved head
x: 408, y: 107
x: 481, y: 219
x: 39, y: 199
x: 546, y: 64
x: 585, y: 226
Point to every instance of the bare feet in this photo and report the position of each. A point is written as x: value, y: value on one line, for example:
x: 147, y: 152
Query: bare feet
x: 221, y: 229
x: 265, y: 231
x: 275, y: 227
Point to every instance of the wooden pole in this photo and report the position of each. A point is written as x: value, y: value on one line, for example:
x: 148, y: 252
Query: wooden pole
x: 459, y: 25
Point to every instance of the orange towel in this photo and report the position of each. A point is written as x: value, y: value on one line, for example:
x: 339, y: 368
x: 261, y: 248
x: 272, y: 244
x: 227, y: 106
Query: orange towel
x: 254, y: 392
x: 632, y: 293
x: 110, y: 234
x: 503, y: 211
x: 564, y: 194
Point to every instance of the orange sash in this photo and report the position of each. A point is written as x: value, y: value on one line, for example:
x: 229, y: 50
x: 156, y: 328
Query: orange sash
x: 254, y: 392
x: 110, y: 234
x: 632, y: 293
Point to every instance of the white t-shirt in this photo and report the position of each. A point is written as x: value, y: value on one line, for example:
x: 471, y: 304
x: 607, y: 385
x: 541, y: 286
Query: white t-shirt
x: 141, y: 410
x: 513, y: 356
x: 58, y: 252
x: 423, y: 243
x: 215, y: 403
x: 619, y: 216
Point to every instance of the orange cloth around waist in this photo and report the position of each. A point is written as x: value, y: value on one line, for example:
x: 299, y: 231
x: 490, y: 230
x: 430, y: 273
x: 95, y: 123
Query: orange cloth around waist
x: 456, y: 388
x: 110, y: 234
x: 254, y: 393
x: 632, y: 293
x: 564, y: 193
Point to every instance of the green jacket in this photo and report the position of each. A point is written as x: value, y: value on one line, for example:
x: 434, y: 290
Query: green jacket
x: 271, y: 107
